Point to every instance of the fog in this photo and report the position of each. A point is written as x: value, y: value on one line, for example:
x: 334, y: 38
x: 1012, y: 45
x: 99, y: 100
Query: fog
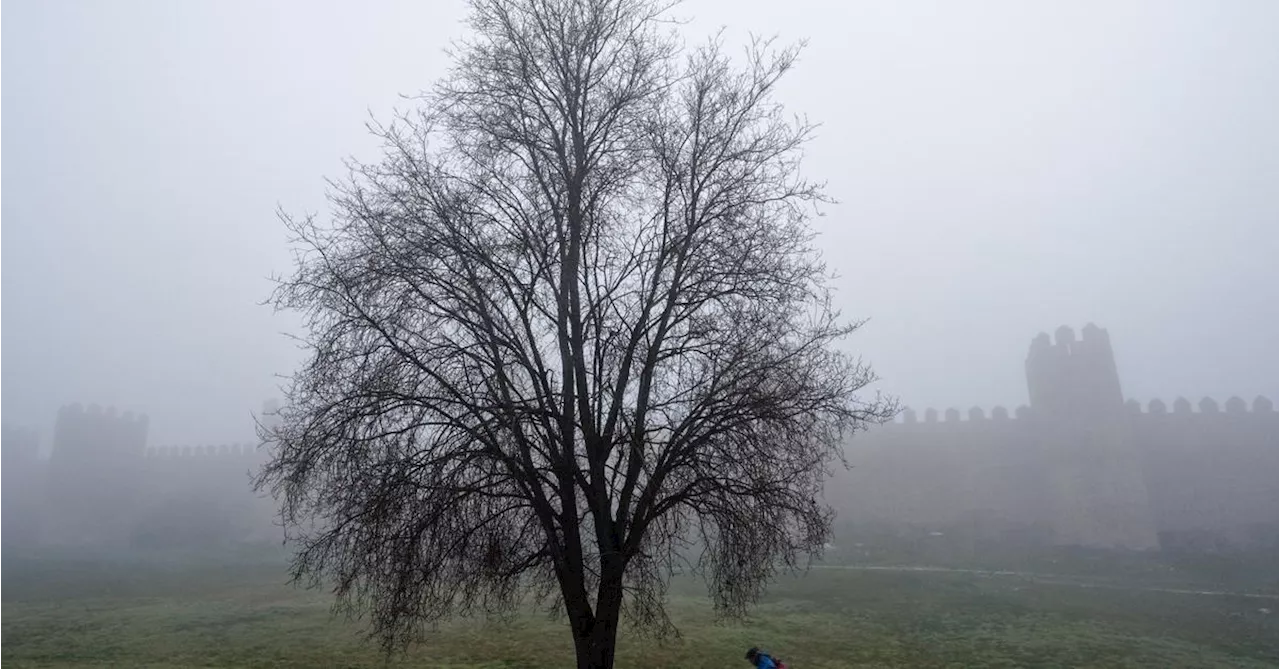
x: 1002, y: 168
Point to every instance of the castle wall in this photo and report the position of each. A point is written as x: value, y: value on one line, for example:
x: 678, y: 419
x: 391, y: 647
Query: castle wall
x: 102, y: 485
x: 1079, y: 463
x: 198, y: 494
x: 1078, y: 466
x: 22, y: 485
x: 1208, y: 478
x: 948, y: 472
x: 1211, y: 474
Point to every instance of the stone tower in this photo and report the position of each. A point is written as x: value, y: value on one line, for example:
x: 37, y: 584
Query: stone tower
x: 1096, y: 490
x: 94, y: 474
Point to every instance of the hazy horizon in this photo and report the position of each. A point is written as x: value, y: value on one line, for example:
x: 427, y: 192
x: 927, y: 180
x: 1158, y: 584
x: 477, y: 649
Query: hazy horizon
x: 1002, y: 168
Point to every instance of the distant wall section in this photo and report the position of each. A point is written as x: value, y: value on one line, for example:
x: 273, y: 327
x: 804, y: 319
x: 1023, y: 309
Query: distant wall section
x: 1077, y: 466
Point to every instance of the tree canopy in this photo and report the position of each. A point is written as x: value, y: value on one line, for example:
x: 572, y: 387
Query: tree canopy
x: 571, y: 321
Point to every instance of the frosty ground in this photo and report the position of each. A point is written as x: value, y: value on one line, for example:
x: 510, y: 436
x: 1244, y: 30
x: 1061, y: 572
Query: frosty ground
x: 69, y: 611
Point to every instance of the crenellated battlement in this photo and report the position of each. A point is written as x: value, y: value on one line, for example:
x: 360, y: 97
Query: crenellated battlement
x: 1207, y: 406
x: 218, y: 451
x: 999, y: 414
x: 1073, y: 379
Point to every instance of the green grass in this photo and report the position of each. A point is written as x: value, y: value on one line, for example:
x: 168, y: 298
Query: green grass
x: 64, y: 613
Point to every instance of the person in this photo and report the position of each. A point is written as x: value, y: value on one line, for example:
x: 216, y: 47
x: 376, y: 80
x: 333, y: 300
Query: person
x: 762, y: 660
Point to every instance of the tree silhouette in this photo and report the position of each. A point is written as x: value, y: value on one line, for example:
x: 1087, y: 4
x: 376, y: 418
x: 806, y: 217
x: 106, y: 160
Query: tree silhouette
x: 571, y: 321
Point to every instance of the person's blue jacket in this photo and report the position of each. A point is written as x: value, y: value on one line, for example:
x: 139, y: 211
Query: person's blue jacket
x: 765, y: 662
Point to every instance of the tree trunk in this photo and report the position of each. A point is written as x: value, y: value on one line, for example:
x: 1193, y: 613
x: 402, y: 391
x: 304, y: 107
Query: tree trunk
x: 597, y: 648
x: 595, y: 635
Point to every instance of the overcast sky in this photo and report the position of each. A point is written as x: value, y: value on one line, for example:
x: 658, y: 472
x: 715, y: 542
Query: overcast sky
x: 1003, y: 167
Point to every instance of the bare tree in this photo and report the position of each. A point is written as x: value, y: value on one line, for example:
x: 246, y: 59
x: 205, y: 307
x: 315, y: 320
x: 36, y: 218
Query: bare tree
x: 572, y: 320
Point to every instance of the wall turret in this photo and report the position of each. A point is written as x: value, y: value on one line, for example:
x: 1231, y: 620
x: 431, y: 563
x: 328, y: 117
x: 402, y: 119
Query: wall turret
x: 1071, y: 378
x: 94, y: 473
x: 1075, y: 394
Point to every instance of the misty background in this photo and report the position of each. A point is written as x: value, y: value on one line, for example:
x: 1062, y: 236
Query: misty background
x: 1002, y: 168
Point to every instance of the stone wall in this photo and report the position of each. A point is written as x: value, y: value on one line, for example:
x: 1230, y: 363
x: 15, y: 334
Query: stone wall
x: 1076, y: 466
x: 1078, y: 463
x: 102, y: 485
x: 22, y: 484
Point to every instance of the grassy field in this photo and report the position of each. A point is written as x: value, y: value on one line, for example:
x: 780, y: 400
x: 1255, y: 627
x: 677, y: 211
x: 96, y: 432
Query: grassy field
x: 64, y: 613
